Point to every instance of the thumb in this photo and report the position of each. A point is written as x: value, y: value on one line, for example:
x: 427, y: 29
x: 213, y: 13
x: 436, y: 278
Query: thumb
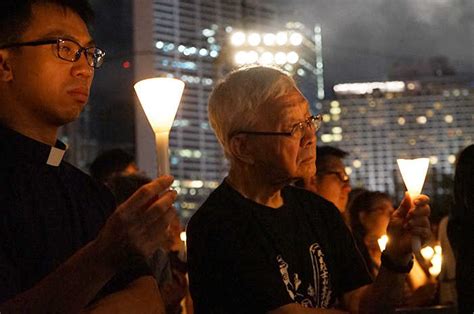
x: 405, y: 206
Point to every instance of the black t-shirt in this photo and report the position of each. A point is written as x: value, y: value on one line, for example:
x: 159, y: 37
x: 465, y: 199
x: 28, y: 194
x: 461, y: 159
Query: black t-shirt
x: 48, y: 211
x: 244, y: 257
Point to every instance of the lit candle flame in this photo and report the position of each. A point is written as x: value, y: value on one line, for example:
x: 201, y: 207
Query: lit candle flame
x: 182, y: 236
x: 382, y: 241
x: 427, y: 252
x: 436, y: 262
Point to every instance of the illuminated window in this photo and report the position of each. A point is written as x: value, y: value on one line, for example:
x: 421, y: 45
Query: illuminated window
x: 421, y: 119
x: 326, y: 138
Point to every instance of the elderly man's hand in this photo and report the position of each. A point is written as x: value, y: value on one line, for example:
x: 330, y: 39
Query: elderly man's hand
x: 407, y: 222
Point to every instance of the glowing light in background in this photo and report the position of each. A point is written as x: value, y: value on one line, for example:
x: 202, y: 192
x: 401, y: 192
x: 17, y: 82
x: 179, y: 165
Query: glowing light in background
x: 238, y: 39
x: 382, y: 241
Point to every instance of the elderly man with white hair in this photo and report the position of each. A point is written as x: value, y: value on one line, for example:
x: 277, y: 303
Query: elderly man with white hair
x: 259, y: 245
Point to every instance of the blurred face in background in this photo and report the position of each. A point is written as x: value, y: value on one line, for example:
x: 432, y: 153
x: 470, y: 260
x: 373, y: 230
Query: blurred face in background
x: 375, y: 220
x: 332, y: 183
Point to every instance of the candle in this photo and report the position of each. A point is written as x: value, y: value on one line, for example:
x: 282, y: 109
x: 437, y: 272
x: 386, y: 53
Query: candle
x: 160, y: 98
x: 414, y: 173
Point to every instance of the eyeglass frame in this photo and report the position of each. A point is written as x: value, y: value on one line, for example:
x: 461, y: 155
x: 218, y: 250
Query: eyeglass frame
x: 57, y: 41
x: 344, y: 178
x: 302, y: 125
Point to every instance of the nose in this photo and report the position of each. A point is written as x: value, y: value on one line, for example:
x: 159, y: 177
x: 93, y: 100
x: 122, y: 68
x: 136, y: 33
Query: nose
x: 347, y: 187
x: 81, y: 67
x: 309, y: 137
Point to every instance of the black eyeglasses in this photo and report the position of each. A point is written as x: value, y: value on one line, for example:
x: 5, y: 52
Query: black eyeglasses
x: 342, y: 176
x: 68, y: 50
x: 298, y: 130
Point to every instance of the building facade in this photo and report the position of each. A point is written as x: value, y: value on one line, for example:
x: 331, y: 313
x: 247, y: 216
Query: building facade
x: 379, y: 122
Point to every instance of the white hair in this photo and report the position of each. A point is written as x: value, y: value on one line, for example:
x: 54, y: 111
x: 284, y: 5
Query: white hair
x: 235, y: 101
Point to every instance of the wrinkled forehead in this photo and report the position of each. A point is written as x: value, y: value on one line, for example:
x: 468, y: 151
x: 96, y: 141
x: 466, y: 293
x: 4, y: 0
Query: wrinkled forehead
x: 293, y: 105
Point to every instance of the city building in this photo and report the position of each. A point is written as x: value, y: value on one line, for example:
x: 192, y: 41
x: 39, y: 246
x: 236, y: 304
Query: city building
x: 378, y: 122
x: 191, y: 40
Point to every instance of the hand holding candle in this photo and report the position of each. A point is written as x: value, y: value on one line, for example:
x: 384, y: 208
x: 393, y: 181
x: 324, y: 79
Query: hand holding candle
x: 414, y: 173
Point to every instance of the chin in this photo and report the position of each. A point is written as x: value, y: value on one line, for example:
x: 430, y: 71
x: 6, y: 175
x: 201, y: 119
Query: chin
x: 307, y: 170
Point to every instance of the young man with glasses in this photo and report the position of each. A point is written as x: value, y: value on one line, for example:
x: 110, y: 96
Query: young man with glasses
x: 331, y: 180
x: 260, y: 245
x: 63, y: 245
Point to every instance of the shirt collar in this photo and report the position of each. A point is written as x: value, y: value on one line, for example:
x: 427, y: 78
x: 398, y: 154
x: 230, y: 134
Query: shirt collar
x: 16, y: 148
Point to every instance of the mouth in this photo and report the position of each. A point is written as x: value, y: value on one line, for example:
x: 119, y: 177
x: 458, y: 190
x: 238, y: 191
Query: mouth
x: 79, y: 94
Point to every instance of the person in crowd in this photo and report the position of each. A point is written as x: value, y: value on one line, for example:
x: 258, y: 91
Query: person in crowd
x: 369, y: 216
x: 331, y: 180
x: 260, y: 245
x: 447, y: 276
x: 168, y: 263
x: 111, y: 163
x: 64, y: 245
x: 461, y: 231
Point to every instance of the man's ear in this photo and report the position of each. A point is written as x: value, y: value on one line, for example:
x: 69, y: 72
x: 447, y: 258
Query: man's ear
x: 239, y: 148
x: 6, y: 73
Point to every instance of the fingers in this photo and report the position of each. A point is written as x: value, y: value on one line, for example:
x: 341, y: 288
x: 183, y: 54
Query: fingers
x: 404, y: 207
x: 143, y: 196
x: 423, y: 233
x: 140, y: 224
x: 422, y: 207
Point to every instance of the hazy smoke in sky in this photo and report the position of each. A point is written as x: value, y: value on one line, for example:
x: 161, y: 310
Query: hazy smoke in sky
x: 364, y: 37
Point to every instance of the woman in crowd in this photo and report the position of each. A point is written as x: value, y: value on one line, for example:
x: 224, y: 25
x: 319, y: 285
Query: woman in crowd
x: 461, y: 230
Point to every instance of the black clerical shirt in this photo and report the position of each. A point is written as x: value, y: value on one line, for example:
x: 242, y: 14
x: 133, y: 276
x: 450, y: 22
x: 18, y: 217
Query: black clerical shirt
x: 48, y: 211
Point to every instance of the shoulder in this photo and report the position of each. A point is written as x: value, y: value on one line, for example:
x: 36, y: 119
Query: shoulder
x: 224, y: 217
x: 223, y: 205
x: 311, y: 201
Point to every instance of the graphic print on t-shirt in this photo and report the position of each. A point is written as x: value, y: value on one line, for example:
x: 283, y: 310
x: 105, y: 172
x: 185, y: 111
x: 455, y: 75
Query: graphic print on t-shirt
x: 319, y: 293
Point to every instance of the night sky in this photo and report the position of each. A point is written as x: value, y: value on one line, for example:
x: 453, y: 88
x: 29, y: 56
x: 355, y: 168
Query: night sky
x: 363, y: 38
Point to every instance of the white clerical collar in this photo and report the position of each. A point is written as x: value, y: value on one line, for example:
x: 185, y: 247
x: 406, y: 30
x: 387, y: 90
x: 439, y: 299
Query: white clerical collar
x: 55, y: 156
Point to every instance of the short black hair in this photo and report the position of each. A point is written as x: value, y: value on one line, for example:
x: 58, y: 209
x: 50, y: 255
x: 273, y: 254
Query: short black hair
x: 324, y: 153
x: 15, y: 15
x: 110, y: 163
